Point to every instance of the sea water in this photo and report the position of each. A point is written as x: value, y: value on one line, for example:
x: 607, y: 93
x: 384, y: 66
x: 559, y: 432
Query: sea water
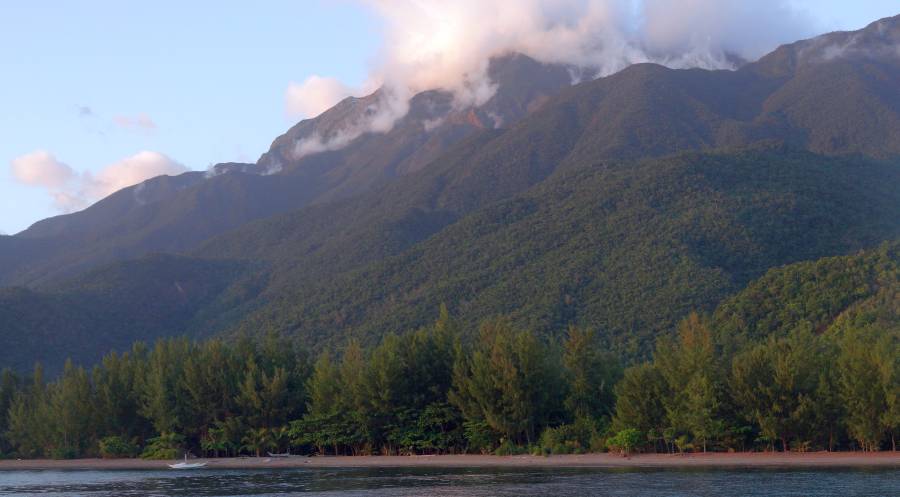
x: 875, y: 482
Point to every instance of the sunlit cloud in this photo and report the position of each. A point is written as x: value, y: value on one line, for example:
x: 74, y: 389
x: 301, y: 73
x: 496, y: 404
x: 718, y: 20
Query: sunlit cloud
x: 72, y: 191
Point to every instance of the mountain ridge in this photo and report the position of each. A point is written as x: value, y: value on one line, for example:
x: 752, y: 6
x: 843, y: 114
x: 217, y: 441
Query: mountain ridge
x: 371, y: 255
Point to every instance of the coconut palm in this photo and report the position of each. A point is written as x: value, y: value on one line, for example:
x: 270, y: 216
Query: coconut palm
x: 257, y: 440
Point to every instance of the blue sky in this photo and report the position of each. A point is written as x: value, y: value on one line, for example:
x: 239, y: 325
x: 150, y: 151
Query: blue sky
x: 85, y: 80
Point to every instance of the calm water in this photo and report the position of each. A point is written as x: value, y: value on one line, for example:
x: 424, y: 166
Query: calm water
x: 458, y: 482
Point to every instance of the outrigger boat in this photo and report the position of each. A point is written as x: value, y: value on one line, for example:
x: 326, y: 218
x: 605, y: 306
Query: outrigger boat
x: 285, y: 454
x: 187, y: 465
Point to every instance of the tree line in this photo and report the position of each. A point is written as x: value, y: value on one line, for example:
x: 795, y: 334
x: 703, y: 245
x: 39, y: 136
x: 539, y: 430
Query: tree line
x: 440, y: 389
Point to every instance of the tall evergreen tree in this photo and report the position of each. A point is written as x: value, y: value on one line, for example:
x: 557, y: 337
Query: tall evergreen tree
x: 639, y: 403
x: 510, y: 382
x: 591, y: 375
x: 693, y: 378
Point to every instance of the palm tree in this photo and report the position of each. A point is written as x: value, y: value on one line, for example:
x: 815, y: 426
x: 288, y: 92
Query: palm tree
x: 233, y: 429
x: 256, y: 440
x: 281, y: 437
x: 214, y: 441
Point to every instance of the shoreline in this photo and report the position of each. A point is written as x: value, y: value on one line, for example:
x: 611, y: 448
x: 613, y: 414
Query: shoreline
x: 709, y: 460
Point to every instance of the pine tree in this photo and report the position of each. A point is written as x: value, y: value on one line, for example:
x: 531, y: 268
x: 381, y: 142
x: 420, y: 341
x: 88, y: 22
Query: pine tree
x: 693, y: 379
x: 591, y: 375
x: 639, y: 403
x: 862, y: 387
x: 510, y: 382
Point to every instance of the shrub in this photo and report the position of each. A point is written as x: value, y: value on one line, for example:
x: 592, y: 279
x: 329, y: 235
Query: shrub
x: 480, y: 436
x: 165, y: 446
x: 597, y: 443
x: 64, y: 453
x: 507, y: 448
x: 116, y: 447
x: 683, y: 443
x: 624, y: 441
x: 574, y: 438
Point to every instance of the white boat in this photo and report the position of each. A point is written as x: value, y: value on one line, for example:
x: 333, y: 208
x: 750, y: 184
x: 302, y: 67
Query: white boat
x: 187, y: 465
x: 286, y: 454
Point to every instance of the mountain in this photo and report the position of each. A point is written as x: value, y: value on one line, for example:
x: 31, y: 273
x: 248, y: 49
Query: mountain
x: 113, y: 306
x: 643, y: 111
x: 619, y: 203
x: 178, y: 213
x: 626, y: 247
x: 828, y: 294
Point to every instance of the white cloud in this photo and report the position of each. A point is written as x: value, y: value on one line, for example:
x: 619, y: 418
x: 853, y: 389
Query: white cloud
x: 447, y: 45
x: 378, y: 117
x: 314, y: 96
x: 130, y: 171
x: 72, y: 191
x: 140, y: 122
x: 41, y: 168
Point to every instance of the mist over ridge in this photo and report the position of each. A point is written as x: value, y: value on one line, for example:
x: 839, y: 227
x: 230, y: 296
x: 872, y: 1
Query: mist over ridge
x: 439, y: 45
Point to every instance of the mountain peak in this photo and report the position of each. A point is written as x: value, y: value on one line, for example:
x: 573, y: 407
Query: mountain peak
x: 879, y: 40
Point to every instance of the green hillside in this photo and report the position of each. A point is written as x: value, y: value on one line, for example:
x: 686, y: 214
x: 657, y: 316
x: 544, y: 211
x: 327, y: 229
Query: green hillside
x: 627, y: 248
x: 815, y: 292
x: 709, y: 386
x: 109, y: 308
x: 620, y: 203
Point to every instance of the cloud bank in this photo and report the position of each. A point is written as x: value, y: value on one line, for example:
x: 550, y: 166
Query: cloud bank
x: 447, y: 45
x: 432, y: 44
x: 72, y: 191
x: 315, y: 95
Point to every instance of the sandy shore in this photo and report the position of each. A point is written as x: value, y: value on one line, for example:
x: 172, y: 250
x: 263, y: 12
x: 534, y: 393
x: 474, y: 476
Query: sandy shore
x: 817, y: 459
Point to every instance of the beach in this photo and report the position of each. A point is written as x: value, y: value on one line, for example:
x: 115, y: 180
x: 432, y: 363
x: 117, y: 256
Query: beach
x: 723, y: 460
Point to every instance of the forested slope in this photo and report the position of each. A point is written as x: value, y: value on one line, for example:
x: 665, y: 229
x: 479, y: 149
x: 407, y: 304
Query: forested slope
x: 620, y: 203
x: 627, y: 248
x: 111, y: 307
x: 710, y: 386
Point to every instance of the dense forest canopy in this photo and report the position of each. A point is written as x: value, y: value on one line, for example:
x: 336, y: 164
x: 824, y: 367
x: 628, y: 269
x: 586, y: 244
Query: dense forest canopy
x: 657, y: 260
x: 626, y: 248
x: 806, y: 367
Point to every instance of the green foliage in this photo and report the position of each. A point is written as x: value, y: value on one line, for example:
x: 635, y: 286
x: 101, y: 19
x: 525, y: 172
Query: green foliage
x: 152, y: 297
x: 868, y: 383
x: 506, y: 392
x: 258, y: 440
x: 10, y: 383
x: 197, y: 390
x: 392, y: 400
x: 510, y: 382
x: 480, y: 436
x: 794, y: 389
x: 639, y: 403
x: 508, y: 448
x: 627, y: 249
x: 693, y: 377
x: 809, y: 293
x: 165, y: 446
x: 215, y: 441
x: 591, y: 374
x: 625, y: 441
x: 113, y: 447
x: 575, y: 438
x: 577, y: 215
x: 777, y: 384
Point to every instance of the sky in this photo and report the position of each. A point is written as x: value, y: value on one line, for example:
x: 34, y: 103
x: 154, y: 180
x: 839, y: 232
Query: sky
x: 96, y: 95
